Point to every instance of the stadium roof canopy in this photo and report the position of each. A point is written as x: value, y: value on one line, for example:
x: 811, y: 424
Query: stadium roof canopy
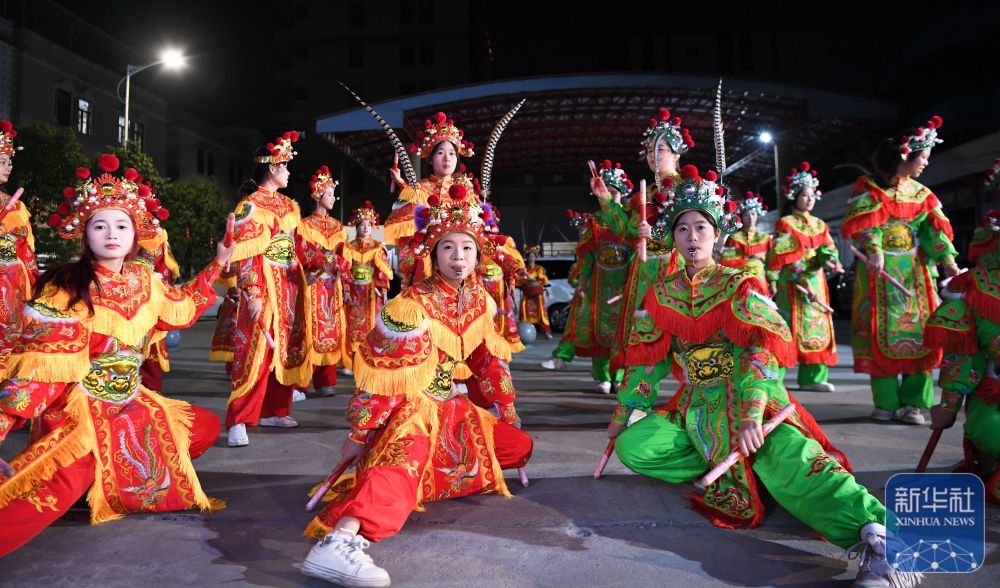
x: 570, y: 119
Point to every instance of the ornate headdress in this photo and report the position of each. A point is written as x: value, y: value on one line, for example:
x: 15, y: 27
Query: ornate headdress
x: 7, y: 134
x: 441, y: 217
x: 926, y: 138
x: 801, y: 177
x: 993, y: 179
x: 577, y: 219
x: 754, y: 202
x: 692, y: 192
x: 614, y: 176
x: 365, y: 213
x: 440, y: 129
x: 533, y: 249
x: 281, y: 150
x: 321, y: 182
x: 105, y: 192
x: 677, y: 137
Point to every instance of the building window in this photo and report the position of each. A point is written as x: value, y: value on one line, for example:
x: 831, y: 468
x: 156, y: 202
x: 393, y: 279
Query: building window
x: 64, y: 108
x: 426, y: 11
x: 205, y: 162
x: 210, y: 164
x: 406, y: 51
x: 83, y: 117
x: 138, y: 134
x: 407, y: 11
x: 356, y: 13
x: 426, y: 53
x: 356, y: 55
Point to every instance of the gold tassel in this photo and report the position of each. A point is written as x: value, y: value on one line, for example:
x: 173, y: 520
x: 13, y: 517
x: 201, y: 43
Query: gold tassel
x: 78, y: 443
x: 49, y: 367
x: 488, y: 421
x: 388, y: 382
x: 218, y: 355
x: 251, y: 247
x: 311, y: 235
x: 179, y: 419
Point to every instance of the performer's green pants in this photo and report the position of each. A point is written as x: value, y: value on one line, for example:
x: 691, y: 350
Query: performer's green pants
x: 599, y: 366
x: 812, y: 373
x: 982, y: 426
x: 831, y: 502
x: 916, y: 390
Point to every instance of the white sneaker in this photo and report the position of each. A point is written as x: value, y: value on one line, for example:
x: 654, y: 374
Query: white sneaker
x: 820, y: 387
x: 553, y: 363
x: 284, y: 422
x: 326, y: 391
x: 548, y: 335
x: 881, y: 414
x: 343, y: 561
x: 637, y: 415
x: 604, y: 387
x: 298, y: 395
x: 910, y: 415
x: 238, y: 436
x: 873, y: 569
x: 345, y: 372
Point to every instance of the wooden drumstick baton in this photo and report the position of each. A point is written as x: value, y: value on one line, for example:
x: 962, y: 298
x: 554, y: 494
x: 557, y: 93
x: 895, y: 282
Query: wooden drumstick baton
x: 929, y: 450
x: 230, y: 228
x: 330, y: 481
x: 723, y: 466
x: 641, y: 245
x: 807, y: 292
x: 11, y: 203
x: 604, y: 459
x: 882, y: 272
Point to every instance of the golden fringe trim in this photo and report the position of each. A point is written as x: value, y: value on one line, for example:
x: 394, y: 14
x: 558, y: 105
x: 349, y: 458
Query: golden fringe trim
x: 388, y: 382
x: 80, y: 442
x: 482, y: 330
x: 171, y: 262
x: 325, y: 359
x: 311, y: 235
x: 49, y: 367
x: 179, y: 419
x: 489, y: 421
x: 251, y: 247
x: 516, y: 347
x: 399, y: 231
x: 316, y: 529
x: 382, y: 265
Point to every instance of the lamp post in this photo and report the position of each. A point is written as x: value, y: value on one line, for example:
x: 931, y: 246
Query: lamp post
x: 766, y: 137
x: 171, y: 58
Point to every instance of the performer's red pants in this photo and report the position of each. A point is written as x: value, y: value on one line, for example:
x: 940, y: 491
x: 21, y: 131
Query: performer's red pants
x: 324, y: 376
x: 267, y: 398
x: 22, y: 519
x: 383, y: 497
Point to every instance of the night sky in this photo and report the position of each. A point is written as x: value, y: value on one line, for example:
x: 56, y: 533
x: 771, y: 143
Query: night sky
x: 910, y: 57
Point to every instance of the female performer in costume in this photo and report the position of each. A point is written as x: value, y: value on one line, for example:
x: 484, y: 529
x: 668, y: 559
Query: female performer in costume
x: 318, y: 239
x: 18, y: 267
x: 603, y: 259
x: 898, y: 225
x: 966, y: 327
x: 369, y: 271
x: 272, y: 300
x: 722, y: 330
x: 532, y: 285
x: 75, y: 372
x: 746, y: 249
x: 417, y: 437
x: 801, y: 252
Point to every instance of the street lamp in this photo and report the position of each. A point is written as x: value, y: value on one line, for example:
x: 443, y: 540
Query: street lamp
x: 766, y: 137
x: 170, y: 58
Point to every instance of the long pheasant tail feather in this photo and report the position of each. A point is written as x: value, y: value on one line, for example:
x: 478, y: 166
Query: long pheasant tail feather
x: 404, y: 158
x: 719, y: 132
x: 486, y: 173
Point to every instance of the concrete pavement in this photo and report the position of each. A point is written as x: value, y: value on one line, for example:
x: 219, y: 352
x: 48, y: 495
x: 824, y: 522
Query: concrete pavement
x: 566, y: 529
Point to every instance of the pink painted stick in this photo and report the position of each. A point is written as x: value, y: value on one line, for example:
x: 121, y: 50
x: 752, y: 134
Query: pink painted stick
x: 887, y: 277
x: 523, y: 475
x: 614, y: 299
x: 330, y: 481
x: 11, y: 203
x: 266, y: 332
x: 806, y: 291
x: 641, y: 245
x: 723, y: 466
x: 230, y: 229
x: 604, y: 459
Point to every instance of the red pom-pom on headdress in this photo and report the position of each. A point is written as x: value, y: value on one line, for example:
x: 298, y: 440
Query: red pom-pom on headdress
x: 711, y: 176
x: 664, y: 114
x: 69, y: 193
x: 108, y: 162
x: 689, y: 172
x: 130, y: 174
x: 457, y: 192
x: 804, y: 166
x: 5, y: 126
x: 82, y: 173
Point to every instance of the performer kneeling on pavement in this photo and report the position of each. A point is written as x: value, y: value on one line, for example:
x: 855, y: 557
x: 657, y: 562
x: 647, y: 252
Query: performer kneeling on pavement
x: 416, y: 435
x: 721, y: 327
x: 75, y: 371
x: 966, y: 326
